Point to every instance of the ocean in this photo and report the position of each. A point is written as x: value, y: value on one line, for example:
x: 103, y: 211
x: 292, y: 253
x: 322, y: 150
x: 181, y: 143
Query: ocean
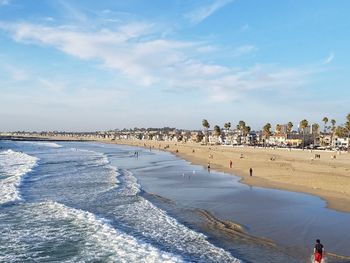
x: 94, y: 202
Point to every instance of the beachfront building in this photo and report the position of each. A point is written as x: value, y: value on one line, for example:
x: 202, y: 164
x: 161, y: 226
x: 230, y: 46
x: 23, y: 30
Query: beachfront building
x: 340, y: 143
x: 277, y: 140
x: 325, y: 140
x: 229, y: 137
x: 216, y: 139
x: 289, y: 140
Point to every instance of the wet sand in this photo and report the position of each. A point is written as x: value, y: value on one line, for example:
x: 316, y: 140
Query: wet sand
x: 294, y: 170
x: 250, y: 221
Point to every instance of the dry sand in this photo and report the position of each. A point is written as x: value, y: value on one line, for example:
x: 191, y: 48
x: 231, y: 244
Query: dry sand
x: 294, y: 170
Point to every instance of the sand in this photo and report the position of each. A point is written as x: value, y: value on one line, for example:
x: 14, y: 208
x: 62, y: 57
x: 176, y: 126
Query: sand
x: 295, y: 170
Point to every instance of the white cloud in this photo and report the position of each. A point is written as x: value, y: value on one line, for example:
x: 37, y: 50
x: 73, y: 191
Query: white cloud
x: 48, y: 19
x: 244, y: 50
x: 329, y: 59
x: 134, y: 51
x: 198, y: 15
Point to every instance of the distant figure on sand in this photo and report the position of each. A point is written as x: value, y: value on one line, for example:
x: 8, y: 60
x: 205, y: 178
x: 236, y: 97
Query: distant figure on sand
x: 230, y: 163
x: 251, y: 171
x: 318, y: 251
x: 208, y: 167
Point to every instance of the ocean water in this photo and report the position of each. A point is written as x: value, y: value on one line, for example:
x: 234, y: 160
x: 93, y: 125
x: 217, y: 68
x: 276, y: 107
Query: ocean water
x: 65, y: 203
x: 93, y: 202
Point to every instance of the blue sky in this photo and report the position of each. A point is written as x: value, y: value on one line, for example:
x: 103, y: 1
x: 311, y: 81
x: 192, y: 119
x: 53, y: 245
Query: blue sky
x: 95, y: 65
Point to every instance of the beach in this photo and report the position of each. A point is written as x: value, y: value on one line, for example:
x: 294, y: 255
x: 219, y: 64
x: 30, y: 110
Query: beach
x: 143, y: 194
x: 292, y: 170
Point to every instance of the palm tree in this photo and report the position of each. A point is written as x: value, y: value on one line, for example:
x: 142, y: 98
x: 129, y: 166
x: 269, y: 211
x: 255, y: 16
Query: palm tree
x: 347, y: 127
x: 315, y: 130
x: 227, y: 126
x: 241, y: 126
x: 206, y: 126
x: 302, y: 125
x: 340, y: 131
x: 217, y: 130
x: 325, y: 120
x: 333, y: 122
x: 266, y: 130
x: 289, y: 127
x: 278, y: 128
x: 247, y: 130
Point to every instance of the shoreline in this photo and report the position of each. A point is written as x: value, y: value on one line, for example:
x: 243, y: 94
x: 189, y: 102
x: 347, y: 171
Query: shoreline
x: 228, y: 228
x: 294, y: 171
x: 326, y: 178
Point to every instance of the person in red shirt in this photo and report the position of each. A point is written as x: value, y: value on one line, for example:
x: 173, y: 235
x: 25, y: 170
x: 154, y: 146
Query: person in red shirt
x: 318, y: 251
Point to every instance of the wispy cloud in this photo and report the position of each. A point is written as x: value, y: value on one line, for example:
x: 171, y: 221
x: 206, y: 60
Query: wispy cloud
x: 4, y: 2
x: 244, y: 50
x: 72, y: 12
x: 329, y: 59
x: 134, y: 51
x: 245, y: 28
x: 198, y: 15
x: 14, y: 74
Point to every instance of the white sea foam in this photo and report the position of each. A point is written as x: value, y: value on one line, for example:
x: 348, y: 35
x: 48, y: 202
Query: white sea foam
x: 54, y: 223
x: 13, y: 165
x: 109, y: 240
x: 146, y: 229
x: 156, y: 224
x: 44, y: 143
x: 101, y: 159
x: 130, y: 186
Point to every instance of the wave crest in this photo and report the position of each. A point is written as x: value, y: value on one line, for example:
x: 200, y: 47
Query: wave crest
x: 13, y: 166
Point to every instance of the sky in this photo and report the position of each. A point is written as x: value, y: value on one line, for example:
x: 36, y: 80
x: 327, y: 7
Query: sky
x: 77, y: 65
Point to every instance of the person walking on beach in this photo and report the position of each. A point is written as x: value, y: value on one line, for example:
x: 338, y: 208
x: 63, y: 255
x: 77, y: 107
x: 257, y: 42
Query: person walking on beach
x: 318, y: 251
x: 230, y: 163
x: 251, y: 171
x: 209, y: 167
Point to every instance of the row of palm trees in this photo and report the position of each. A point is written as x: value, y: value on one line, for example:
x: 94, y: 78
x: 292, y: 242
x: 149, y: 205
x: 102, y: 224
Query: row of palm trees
x: 266, y: 129
x: 242, y: 127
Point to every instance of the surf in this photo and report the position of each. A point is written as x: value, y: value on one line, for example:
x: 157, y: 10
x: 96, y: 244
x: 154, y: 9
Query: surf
x: 13, y: 166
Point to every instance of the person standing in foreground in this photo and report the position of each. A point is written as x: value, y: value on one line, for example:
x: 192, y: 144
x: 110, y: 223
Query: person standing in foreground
x: 318, y: 251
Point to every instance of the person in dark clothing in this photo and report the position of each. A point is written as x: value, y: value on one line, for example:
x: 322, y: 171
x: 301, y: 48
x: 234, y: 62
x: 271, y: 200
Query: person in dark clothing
x: 318, y: 251
x: 251, y: 171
